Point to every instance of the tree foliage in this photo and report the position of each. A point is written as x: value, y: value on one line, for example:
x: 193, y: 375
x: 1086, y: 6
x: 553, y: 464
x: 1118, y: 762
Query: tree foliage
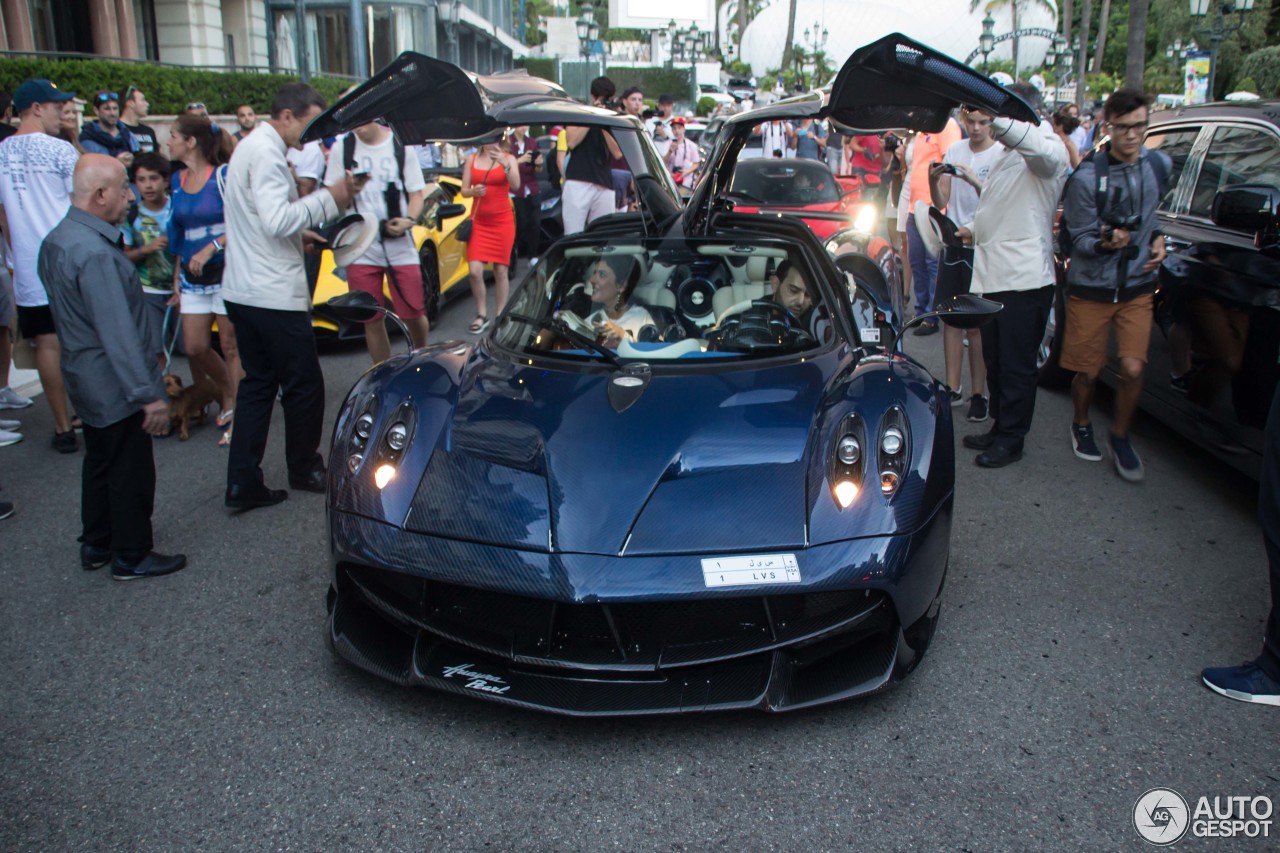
x: 1262, y: 67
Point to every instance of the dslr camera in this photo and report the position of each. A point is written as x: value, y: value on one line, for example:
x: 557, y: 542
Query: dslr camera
x: 1128, y: 223
x: 891, y: 142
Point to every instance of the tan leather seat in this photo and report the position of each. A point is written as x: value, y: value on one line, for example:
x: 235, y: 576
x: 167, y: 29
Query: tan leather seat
x: 755, y: 286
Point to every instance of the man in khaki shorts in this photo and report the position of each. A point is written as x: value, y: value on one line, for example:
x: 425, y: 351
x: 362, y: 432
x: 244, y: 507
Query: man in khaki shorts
x: 1109, y: 211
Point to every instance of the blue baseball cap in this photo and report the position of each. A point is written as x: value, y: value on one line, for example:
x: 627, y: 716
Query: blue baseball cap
x: 38, y: 92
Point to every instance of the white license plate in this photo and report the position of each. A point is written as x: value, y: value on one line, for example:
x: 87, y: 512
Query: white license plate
x: 758, y: 570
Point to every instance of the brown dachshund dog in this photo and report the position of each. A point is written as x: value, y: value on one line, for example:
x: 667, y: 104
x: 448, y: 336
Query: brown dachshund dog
x: 188, y: 404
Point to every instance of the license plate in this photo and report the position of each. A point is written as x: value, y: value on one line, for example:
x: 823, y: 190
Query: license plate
x: 758, y: 570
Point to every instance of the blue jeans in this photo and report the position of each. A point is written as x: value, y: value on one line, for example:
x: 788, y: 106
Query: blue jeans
x: 924, y: 269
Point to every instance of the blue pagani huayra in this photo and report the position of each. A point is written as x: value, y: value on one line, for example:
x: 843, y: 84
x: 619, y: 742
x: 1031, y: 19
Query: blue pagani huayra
x: 687, y: 469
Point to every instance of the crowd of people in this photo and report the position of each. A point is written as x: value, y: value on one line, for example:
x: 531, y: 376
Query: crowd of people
x: 106, y: 237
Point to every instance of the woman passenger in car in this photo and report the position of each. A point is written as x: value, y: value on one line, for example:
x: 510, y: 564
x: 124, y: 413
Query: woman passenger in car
x: 613, y: 280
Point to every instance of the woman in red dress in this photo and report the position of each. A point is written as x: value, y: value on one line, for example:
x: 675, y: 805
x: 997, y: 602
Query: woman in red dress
x: 490, y: 176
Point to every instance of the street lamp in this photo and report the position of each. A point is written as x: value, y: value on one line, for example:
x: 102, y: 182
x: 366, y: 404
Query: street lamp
x: 1219, y: 29
x: 987, y: 41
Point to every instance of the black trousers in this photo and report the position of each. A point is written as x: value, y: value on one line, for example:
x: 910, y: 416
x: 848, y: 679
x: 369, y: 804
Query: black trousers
x: 528, y: 225
x: 1009, y: 345
x: 278, y: 351
x: 1269, y: 517
x: 118, y: 488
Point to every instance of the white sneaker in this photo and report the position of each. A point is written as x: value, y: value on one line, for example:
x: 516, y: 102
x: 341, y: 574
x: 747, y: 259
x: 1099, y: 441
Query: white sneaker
x: 7, y: 438
x: 11, y: 399
x: 12, y: 426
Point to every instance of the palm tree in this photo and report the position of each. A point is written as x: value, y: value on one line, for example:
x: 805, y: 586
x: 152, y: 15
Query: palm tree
x: 1015, y: 9
x: 789, y: 45
x: 1103, y: 20
x: 1135, y: 59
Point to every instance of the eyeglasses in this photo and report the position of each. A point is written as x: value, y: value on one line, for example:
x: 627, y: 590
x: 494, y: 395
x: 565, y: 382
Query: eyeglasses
x: 196, y: 105
x: 1123, y: 129
x: 106, y: 98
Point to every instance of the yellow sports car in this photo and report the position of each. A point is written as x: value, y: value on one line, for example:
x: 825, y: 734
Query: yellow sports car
x: 443, y: 258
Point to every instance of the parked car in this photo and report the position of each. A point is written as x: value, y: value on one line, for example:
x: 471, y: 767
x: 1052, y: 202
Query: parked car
x: 741, y: 500
x: 742, y: 88
x: 717, y: 94
x: 1215, y: 345
x: 804, y: 187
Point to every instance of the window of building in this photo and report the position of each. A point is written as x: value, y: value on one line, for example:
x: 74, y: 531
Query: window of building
x: 391, y: 31
x: 144, y: 21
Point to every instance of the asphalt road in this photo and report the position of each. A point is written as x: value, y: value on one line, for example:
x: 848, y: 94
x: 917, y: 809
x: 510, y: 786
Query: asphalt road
x: 203, y: 711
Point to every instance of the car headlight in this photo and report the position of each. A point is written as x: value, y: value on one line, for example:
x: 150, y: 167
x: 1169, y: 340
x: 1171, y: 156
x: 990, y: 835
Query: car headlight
x: 864, y: 221
x: 844, y: 470
x: 397, y: 436
x: 894, y: 450
x: 364, y: 426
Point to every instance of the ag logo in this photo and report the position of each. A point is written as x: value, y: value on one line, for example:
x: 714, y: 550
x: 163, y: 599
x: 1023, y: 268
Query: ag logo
x: 1161, y: 816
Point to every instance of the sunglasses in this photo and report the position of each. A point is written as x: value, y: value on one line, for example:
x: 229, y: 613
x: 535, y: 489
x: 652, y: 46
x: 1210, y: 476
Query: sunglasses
x: 196, y: 105
x: 106, y: 98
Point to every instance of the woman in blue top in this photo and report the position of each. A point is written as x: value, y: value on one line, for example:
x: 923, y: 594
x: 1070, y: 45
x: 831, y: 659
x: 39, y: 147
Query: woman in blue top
x: 197, y: 236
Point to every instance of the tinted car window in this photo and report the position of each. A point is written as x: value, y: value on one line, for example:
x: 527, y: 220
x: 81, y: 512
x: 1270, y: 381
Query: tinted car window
x: 784, y: 182
x: 1177, y: 144
x: 1237, y: 155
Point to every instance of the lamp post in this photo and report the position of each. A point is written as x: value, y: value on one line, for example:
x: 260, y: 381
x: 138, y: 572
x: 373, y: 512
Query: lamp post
x: 987, y: 41
x: 588, y: 32
x: 815, y: 40
x: 1219, y: 29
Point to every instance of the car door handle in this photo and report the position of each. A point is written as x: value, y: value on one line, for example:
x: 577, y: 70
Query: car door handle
x: 1173, y: 244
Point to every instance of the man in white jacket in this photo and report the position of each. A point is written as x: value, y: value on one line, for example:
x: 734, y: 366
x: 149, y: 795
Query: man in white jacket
x: 1012, y: 236
x: 264, y: 286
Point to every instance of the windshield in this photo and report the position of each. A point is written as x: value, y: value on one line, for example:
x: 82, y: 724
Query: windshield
x: 666, y: 300
x: 787, y: 183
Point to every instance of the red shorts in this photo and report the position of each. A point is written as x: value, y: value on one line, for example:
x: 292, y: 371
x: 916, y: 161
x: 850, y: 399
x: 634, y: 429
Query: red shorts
x: 404, y: 283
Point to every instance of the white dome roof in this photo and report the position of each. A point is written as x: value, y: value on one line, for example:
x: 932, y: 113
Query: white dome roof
x: 945, y: 25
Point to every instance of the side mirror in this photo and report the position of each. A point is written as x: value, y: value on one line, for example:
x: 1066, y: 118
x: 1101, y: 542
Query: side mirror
x: 1251, y: 208
x: 448, y: 211
x: 963, y: 311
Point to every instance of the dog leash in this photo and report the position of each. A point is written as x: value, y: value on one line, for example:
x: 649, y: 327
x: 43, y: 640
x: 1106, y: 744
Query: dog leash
x: 169, y: 345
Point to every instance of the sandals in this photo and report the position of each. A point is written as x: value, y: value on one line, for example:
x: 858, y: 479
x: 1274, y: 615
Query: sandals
x: 225, y: 421
x: 479, y: 324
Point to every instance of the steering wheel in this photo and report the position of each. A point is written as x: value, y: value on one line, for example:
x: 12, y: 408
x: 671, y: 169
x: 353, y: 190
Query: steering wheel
x: 735, y: 310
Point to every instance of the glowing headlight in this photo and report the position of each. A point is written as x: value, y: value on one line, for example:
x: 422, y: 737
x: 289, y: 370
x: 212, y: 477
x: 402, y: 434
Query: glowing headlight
x: 397, y: 437
x: 385, y: 474
x: 353, y: 462
x: 364, y: 426
x: 888, y: 482
x: 865, y: 221
x: 846, y: 492
x: 891, y: 441
x: 849, y: 451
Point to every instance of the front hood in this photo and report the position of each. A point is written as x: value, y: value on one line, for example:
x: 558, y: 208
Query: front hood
x: 702, y: 462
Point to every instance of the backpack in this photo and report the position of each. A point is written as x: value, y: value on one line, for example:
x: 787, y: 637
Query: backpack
x: 1101, y: 170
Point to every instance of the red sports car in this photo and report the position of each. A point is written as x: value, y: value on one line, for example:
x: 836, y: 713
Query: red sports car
x: 794, y: 186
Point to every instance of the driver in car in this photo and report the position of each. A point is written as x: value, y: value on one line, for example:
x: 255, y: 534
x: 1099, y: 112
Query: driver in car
x: 790, y: 289
x: 613, y: 280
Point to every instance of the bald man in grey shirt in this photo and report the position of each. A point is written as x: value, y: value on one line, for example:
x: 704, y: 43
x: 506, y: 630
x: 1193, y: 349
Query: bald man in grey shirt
x: 109, y: 359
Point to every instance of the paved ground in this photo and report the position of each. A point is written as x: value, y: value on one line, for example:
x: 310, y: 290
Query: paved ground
x: 204, y: 712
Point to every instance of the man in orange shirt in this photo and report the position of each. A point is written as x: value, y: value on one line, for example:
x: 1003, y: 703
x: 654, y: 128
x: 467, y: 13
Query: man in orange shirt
x: 926, y: 148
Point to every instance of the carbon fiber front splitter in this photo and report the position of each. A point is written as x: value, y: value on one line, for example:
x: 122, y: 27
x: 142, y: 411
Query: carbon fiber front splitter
x: 858, y: 656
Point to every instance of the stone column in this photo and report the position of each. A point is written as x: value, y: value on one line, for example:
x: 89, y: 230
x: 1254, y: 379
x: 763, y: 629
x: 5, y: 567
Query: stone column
x: 17, y: 25
x: 128, y: 30
x: 106, y: 32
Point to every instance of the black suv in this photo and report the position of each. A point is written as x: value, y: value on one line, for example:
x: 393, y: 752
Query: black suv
x: 1215, y: 347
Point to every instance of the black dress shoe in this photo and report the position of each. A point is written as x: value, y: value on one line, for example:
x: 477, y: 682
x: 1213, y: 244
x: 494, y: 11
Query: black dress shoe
x: 252, y: 497
x: 997, y: 457
x: 92, y: 557
x: 151, y: 566
x: 316, y: 481
x: 980, y: 441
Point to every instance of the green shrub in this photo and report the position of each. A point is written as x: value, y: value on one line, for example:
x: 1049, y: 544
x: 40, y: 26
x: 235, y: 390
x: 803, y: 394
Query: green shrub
x: 654, y: 81
x: 538, y: 67
x: 1246, y: 85
x: 1263, y: 66
x: 706, y: 106
x: 168, y: 89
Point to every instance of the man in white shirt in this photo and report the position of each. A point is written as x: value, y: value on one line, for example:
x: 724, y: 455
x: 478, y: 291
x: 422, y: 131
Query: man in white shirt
x: 36, y: 171
x: 659, y: 127
x: 1013, y: 264
x: 264, y: 286
x: 970, y: 160
x: 308, y: 166
x: 394, y: 196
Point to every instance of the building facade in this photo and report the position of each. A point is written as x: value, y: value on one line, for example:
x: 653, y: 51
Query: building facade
x: 476, y: 34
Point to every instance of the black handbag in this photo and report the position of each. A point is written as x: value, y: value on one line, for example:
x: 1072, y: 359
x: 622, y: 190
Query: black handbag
x: 210, y: 273
x: 464, y: 230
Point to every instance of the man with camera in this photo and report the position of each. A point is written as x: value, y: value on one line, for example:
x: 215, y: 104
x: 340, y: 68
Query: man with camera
x: 394, y: 195
x: 1109, y: 216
